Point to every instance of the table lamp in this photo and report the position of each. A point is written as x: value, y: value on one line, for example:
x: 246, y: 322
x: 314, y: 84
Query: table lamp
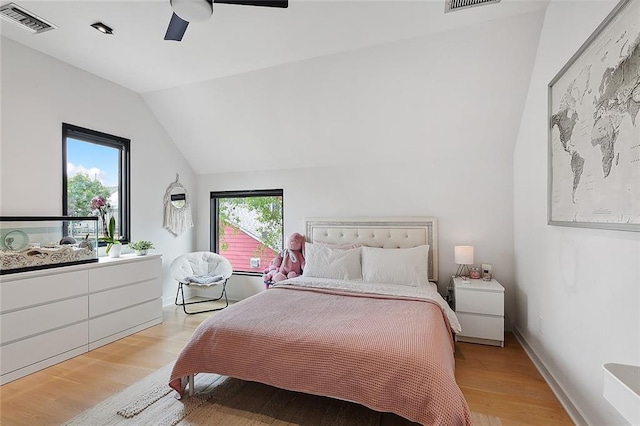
x: 463, y: 257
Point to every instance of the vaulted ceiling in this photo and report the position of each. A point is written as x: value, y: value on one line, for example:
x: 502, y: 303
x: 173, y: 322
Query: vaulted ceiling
x: 186, y: 84
x: 237, y: 39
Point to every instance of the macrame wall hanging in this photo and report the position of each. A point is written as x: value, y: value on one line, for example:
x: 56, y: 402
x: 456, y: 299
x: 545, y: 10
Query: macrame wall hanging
x: 177, y: 208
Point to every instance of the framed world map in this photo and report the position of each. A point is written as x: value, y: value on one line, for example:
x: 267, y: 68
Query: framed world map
x: 594, y: 128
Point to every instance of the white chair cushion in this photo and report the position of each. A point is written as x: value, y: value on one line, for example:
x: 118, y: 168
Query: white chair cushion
x: 200, y: 263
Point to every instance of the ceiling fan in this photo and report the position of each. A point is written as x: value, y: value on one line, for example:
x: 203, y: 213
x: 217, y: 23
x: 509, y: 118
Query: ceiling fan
x: 185, y: 11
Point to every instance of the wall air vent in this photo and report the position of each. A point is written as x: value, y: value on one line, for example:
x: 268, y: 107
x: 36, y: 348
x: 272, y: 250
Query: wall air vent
x: 27, y: 20
x: 453, y: 5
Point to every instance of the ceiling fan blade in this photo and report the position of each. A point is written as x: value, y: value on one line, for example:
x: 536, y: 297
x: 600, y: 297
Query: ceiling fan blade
x: 266, y: 3
x: 176, y: 29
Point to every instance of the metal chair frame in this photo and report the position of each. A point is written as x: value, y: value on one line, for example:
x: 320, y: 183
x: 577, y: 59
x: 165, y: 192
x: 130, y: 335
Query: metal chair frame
x: 184, y: 303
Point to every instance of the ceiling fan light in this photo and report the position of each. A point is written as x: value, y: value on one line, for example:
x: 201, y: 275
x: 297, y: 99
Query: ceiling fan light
x: 193, y: 10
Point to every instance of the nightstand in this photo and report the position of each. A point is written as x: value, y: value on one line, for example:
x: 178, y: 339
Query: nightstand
x: 479, y: 306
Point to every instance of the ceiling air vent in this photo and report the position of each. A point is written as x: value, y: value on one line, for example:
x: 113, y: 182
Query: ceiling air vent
x: 27, y: 20
x: 453, y: 5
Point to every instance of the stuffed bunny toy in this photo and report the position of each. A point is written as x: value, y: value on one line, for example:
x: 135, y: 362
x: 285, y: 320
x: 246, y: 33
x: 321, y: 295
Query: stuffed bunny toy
x: 289, y: 263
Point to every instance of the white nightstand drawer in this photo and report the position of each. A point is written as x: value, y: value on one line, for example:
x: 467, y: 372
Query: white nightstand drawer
x: 480, y: 302
x: 481, y: 326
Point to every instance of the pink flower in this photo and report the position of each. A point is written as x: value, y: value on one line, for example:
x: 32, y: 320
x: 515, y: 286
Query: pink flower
x: 98, y: 202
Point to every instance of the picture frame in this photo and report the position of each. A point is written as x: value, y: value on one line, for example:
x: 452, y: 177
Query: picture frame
x: 487, y: 272
x: 593, y: 129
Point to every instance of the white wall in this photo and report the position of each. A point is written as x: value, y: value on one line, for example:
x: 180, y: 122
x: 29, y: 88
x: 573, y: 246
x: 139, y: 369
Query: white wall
x: 584, y: 284
x: 421, y: 127
x: 39, y: 93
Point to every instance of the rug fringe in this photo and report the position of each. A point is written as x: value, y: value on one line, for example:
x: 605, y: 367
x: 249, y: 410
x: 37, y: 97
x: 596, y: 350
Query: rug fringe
x: 189, y: 405
x: 139, y: 405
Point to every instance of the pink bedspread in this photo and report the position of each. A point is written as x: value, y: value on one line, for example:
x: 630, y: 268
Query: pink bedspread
x: 391, y: 354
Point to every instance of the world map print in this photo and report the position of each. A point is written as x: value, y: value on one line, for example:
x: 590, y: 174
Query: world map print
x: 594, y: 129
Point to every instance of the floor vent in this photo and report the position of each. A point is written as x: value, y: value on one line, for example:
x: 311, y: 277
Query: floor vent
x: 453, y: 5
x: 27, y: 20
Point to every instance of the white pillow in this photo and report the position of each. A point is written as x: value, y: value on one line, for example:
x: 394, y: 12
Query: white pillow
x: 326, y: 262
x: 406, y: 266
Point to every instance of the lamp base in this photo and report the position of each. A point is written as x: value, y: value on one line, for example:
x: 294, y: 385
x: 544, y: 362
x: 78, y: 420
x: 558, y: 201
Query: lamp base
x: 461, y: 272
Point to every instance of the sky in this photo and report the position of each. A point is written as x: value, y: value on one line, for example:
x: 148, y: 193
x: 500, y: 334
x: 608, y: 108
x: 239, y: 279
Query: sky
x: 99, y: 162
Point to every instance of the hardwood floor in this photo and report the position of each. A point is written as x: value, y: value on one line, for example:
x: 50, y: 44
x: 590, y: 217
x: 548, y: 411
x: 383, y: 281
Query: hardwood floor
x: 501, y: 382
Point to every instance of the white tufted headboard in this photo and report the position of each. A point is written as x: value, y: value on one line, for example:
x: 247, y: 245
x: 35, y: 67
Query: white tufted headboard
x: 379, y: 232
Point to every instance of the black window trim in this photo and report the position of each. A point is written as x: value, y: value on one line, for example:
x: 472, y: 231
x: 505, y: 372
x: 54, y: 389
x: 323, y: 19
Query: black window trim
x: 112, y: 141
x: 215, y: 233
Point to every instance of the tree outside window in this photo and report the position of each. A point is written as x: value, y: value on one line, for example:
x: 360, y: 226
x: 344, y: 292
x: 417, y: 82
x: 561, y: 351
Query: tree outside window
x: 247, y: 227
x: 96, y: 177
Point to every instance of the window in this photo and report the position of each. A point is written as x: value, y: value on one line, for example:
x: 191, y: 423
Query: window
x: 247, y: 227
x: 95, y: 177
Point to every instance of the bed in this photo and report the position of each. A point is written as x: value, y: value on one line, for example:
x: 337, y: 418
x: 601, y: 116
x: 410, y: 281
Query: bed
x: 365, y: 323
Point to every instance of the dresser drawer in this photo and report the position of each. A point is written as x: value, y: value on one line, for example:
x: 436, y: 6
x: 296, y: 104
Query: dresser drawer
x: 27, y: 322
x: 481, y: 326
x: 128, y: 273
x: 114, y: 323
x: 122, y: 297
x: 480, y: 302
x: 21, y: 293
x: 35, y: 349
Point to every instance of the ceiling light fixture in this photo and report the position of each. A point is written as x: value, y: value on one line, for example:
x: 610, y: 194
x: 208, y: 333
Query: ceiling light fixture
x: 102, y: 28
x: 193, y: 11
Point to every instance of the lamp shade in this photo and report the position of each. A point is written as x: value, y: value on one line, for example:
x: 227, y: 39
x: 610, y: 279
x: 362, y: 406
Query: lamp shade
x: 463, y: 255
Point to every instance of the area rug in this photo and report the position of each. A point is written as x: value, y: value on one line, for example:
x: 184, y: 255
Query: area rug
x: 221, y: 400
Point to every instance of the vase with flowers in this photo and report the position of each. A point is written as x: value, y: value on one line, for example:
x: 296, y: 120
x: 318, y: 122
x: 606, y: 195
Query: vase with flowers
x: 100, y: 207
x: 113, y: 244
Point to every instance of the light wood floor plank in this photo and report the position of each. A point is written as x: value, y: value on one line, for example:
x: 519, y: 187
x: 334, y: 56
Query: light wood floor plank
x: 501, y: 382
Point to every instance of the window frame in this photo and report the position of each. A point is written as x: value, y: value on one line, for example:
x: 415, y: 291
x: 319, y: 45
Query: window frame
x: 214, y: 234
x: 123, y: 145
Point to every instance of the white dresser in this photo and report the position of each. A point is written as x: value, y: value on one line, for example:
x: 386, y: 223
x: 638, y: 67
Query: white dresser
x: 479, y: 306
x: 55, y: 314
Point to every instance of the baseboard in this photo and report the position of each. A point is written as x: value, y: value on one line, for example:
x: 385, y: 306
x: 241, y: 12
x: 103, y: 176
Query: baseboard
x: 562, y: 396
